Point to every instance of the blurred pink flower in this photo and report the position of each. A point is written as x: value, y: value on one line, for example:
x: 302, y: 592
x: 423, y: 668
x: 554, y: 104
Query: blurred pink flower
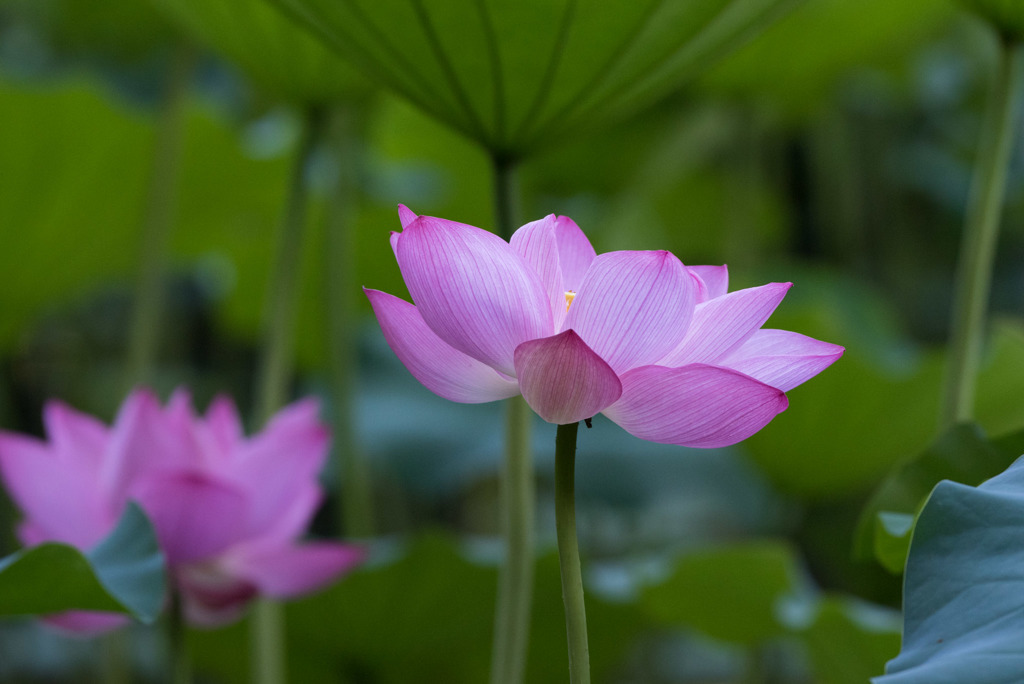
x: 228, y: 510
x: 660, y: 348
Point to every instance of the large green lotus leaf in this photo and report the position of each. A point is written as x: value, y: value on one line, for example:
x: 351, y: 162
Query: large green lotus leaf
x: 796, y: 62
x: 275, y: 52
x: 124, y: 573
x: 731, y: 593
x: 963, y: 596
x: 514, y: 74
x: 424, y: 616
x: 962, y: 454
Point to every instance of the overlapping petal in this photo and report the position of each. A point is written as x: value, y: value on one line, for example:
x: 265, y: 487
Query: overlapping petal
x: 633, y: 307
x: 781, y: 358
x: 715, y: 279
x: 442, y: 369
x: 697, y: 405
x: 473, y: 290
x: 560, y: 253
x: 722, y: 324
x: 287, y: 570
x: 74, y: 435
x: 563, y: 380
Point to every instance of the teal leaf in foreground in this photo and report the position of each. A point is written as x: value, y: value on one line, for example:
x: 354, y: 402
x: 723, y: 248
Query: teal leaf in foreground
x: 963, y: 597
x: 124, y: 573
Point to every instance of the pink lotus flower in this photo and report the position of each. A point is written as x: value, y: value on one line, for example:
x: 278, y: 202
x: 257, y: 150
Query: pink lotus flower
x: 227, y: 509
x: 660, y: 348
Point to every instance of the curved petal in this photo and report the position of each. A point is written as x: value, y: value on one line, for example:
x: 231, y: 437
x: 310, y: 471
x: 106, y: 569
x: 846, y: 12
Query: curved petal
x: 696, y: 406
x: 473, y: 290
x: 715, y: 279
x: 212, y: 596
x: 722, y: 324
x: 781, y: 358
x: 74, y: 435
x: 195, y: 517
x: 633, y: 307
x: 225, y: 424
x: 86, y: 624
x: 60, y: 499
x: 563, y: 380
x: 560, y: 254
x: 441, y: 368
x: 406, y: 216
x: 285, y: 571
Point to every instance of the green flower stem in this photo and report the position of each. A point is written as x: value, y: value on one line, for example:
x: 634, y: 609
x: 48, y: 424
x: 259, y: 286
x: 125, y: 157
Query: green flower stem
x: 515, y: 580
x: 981, y: 232
x: 267, y: 625
x: 569, y: 553
x: 181, y: 666
x: 158, y: 220
x: 340, y: 259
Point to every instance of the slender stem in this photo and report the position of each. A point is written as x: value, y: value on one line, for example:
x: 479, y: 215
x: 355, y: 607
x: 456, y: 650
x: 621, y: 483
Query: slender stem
x: 267, y: 625
x: 515, y: 580
x: 356, y: 491
x: 569, y: 553
x: 181, y: 666
x: 981, y: 231
x: 158, y: 220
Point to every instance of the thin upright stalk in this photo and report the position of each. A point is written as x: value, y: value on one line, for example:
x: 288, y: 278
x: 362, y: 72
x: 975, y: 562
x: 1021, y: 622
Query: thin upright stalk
x: 157, y: 221
x: 181, y: 665
x: 515, y: 579
x: 981, y: 232
x: 267, y: 625
x: 357, y: 519
x: 569, y: 553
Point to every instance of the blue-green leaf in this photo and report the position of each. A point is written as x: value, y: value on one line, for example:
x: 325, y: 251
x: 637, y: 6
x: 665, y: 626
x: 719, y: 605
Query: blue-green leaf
x: 124, y: 573
x: 963, y: 596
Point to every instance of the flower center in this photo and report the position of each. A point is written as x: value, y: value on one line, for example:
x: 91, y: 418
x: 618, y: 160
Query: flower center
x: 569, y: 296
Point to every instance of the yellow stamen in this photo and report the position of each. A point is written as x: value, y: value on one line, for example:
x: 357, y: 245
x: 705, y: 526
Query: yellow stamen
x: 569, y: 296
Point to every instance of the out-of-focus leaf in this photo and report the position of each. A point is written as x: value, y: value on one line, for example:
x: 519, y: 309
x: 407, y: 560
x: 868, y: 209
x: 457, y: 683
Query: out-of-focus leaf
x: 275, y: 52
x: 429, y: 606
x: 962, y: 454
x: 124, y: 573
x: 964, y: 586
x: 795, y: 62
x: 513, y: 75
x: 849, y: 642
x: 731, y: 593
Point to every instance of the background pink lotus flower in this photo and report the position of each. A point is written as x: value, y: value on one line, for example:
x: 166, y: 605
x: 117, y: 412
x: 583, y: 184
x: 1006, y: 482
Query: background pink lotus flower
x: 228, y: 510
x: 662, y: 349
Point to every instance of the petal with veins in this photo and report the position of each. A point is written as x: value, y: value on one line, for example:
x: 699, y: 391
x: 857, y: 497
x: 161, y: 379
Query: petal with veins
x: 696, y: 406
x: 563, y: 380
x: 473, y: 290
x: 715, y: 279
x: 782, y: 358
x: 441, y: 368
x: 633, y: 307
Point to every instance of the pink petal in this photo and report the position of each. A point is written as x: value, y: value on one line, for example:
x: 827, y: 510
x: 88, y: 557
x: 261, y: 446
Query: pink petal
x: 563, y: 380
x: 473, y: 290
x: 696, y: 406
x: 144, y: 439
x: 212, y: 596
x: 782, y: 359
x: 286, y: 571
x: 195, y: 516
x: 61, y: 499
x: 560, y: 254
x: 86, y: 624
x: 278, y: 465
x: 441, y: 368
x: 225, y: 424
x: 722, y: 324
x: 395, y: 237
x: 715, y: 279
x: 74, y: 435
x: 633, y: 307
x: 406, y: 216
